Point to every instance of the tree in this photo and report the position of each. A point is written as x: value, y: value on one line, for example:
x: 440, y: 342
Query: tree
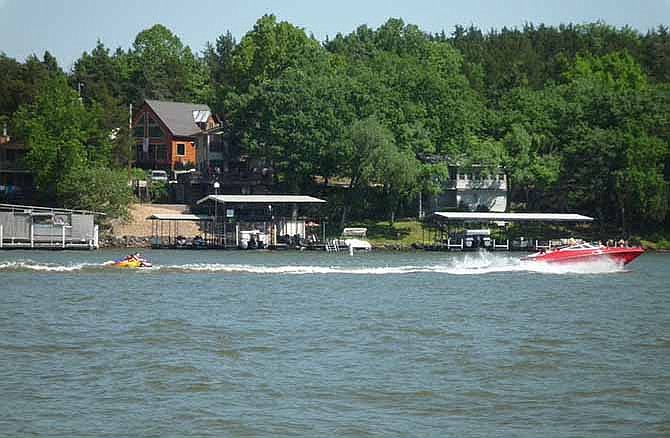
x: 219, y: 59
x: 161, y: 67
x: 96, y: 188
x: 67, y: 146
x: 268, y: 50
x: 362, y: 147
x: 11, y: 86
x: 397, y: 171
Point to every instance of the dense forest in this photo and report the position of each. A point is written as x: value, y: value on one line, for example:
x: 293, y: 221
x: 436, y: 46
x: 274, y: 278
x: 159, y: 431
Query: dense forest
x: 578, y: 115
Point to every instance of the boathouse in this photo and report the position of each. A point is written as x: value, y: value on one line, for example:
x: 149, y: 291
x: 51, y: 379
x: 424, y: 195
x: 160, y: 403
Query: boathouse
x: 27, y: 227
x: 499, y: 231
x: 272, y: 220
x: 243, y: 221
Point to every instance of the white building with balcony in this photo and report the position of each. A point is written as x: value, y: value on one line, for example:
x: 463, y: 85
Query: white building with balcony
x: 473, y: 188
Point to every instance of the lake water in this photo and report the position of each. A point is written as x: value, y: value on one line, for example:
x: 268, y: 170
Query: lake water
x: 227, y: 343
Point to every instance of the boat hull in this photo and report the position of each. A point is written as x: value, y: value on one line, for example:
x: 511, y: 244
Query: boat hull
x: 621, y: 256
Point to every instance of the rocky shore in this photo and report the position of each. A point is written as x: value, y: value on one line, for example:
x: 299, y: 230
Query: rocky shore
x: 125, y: 242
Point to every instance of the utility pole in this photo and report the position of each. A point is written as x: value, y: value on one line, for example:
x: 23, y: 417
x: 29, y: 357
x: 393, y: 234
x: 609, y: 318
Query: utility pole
x: 130, y: 137
x: 80, y: 85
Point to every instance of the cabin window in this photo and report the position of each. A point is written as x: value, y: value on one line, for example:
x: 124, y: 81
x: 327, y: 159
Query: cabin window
x: 158, y: 152
x: 138, y: 128
x: 181, y: 149
x: 155, y: 130
x: 161, y: 152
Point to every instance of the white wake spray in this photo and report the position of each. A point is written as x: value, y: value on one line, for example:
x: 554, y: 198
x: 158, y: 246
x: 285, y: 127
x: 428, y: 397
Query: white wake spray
x: 454, y: 264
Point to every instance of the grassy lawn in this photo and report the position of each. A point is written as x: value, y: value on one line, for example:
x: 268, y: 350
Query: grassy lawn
x: 663, y: 245
x: 403, y: 232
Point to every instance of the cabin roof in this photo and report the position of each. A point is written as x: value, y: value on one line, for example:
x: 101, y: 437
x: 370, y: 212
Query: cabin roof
x: 180, y: 117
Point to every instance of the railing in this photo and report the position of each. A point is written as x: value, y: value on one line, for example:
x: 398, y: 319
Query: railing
x: 458, y: 244
x: 484, y: 184
x: 542, y: 244
x: 504, y: 246
x: 60, y: 238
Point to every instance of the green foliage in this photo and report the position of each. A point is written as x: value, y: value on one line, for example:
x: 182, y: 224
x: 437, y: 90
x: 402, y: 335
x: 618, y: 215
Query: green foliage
x: 578, y: 115
x: 158, y: 191
x: 161, y: 67
x: 96, y: 188
x: 21, y: 82
x: 69, y: 151
x: 268, y: 50
x: 138, y: 174
x: 616, y: 71
x: 59, y: 131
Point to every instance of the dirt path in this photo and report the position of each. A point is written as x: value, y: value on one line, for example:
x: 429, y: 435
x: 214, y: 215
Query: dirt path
x: 139, y: 226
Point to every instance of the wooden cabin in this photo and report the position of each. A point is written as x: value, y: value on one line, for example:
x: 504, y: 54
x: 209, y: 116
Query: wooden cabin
x: 165, y: 132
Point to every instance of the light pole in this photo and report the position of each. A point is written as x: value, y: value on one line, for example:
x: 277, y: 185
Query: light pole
x: 216, y: 207
x: 130, y: 139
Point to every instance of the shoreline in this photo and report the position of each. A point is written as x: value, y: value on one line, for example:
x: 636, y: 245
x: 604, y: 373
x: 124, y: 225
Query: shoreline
x: 141, y: 242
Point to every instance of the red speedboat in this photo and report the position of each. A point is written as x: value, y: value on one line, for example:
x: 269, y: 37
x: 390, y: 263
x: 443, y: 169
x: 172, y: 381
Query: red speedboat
x: 586, y: 252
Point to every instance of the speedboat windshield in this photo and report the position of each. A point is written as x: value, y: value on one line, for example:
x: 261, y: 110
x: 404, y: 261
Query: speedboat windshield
x: 580, y: 247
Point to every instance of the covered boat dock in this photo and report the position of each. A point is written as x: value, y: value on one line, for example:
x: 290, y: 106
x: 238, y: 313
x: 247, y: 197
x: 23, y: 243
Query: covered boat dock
x: 499, y: 231
x: 165, y: 231
x: 261, y: 221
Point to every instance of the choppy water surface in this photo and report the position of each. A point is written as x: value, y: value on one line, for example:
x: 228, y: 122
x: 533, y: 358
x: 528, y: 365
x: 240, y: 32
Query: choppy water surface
x: 310, y: 344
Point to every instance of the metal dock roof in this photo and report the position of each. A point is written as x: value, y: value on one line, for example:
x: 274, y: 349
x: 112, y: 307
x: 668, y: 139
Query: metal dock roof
x: 512, y: 217
x: 179, y: 217
x: 262, y: 199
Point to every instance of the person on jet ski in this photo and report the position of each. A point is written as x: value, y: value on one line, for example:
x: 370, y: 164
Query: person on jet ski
x: 134, y: 258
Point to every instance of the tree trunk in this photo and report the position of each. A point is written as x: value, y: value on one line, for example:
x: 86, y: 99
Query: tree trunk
x: 345, y: 213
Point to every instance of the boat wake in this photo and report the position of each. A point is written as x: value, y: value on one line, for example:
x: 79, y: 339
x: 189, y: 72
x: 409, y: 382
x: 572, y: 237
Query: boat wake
x: 462, y: 264
x: 29, y: 265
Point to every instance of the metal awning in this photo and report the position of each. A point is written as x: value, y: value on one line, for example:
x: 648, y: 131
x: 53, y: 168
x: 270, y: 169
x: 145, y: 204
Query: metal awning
x: 35, y: 210
x: 262, y: 199
x: 179, y: 217
x: 510, y: 217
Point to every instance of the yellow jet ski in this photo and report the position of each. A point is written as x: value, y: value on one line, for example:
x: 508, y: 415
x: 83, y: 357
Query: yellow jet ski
x: 132, y: 262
